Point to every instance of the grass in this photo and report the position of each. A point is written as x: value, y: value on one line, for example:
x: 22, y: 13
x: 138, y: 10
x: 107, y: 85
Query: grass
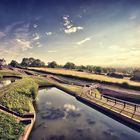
x: 8, y: 72
x: 10, y: 129
x: 18, y: 96
x: 89, y: 76
x: 72, y: 88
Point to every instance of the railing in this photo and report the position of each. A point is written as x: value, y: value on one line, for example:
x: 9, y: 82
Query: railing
x: 127, y: 106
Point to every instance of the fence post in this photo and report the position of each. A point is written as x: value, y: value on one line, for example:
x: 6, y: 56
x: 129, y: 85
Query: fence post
x: 124, y: 104
x: 115, y: 101
x: 135, y: 108
x: 101, y: 96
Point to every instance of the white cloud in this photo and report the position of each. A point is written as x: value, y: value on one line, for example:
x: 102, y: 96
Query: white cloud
x: 36, y: 36
x: 70, y: 107
x: 35, y: 25
x: 48, y: 103
x: 132, y: 17
x: 66, y: 20
x: 2, y: 34
x: 72, y: 29
x: 48, y: 33
x: 69, y: 27
x: 52, y: 51
x: 38, y: 45
x: 23, y: 44
x: 83, y: 41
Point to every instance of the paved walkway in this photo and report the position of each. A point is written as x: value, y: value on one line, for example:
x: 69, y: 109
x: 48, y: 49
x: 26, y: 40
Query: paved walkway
x: 123, y: 108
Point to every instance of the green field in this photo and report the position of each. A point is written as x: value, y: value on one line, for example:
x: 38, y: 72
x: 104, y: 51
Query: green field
x: 10, y: 129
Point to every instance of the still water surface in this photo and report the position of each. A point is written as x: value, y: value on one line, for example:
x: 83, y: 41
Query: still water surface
x: 61, y: 117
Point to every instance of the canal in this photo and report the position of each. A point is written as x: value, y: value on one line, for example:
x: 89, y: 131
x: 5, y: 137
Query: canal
x: 61, y: 117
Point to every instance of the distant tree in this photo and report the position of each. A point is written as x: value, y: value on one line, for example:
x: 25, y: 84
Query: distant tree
x: 37, y: 63
x: 27, y: 62
x: 81, y: 68
x: 90, y: 68
x: 31, y: 60
x: 70, y: 65
x: 60, y: 66
x: 105, y: 70
x: 98, y: 70
x: 116, y: 75
x: 14, y: 63
x: 112, y: 70
x: 52, y: 64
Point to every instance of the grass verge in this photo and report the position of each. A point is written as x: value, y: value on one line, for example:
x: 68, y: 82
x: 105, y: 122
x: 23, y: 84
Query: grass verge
x: 18, y: 96
x: 10, y: 129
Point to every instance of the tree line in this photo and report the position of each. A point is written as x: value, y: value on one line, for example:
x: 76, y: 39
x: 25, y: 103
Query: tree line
x: 27, y: 62
x: 32, y: 62
x: 113, y: 72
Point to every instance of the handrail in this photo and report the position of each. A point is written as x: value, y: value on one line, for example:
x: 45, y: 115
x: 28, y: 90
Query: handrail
x: 120, y: 100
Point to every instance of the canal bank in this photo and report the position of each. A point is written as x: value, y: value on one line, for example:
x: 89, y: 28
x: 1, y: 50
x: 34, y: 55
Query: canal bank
x: 67, y: 90
x: 55, y: 109
x: 107, y: 109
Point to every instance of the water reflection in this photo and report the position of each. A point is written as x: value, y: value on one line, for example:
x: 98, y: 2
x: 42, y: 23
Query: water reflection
x: 61, y: 117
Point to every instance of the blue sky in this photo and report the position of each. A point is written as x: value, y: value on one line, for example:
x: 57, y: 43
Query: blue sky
x: 88, y: 32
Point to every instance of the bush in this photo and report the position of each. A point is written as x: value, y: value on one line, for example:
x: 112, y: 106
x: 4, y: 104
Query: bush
x: 116, y: 75
x: 125, y: 85
x: 10, y: 129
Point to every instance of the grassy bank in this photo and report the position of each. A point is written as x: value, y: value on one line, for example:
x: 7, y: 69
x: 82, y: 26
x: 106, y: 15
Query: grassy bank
x: 8, y: 72
x: 70, y: 88
x: 10, y: 129
x: 18, y: 96
x: 126, y: 83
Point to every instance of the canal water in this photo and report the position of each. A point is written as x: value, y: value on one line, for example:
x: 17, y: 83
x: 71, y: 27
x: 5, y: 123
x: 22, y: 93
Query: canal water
x: 61, y: 117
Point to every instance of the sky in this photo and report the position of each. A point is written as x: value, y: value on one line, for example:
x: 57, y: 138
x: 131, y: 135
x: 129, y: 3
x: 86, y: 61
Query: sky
x: 86, y: 32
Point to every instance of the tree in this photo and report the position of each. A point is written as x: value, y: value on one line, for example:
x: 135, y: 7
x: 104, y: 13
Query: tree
x: 37, y: 63
x: 14, y: 63
x: 90, y: 68
x: 98, y: 70
x: 70, y: 65
x: 81, y: 68
x: 27, y: 62
x: 52, y: 64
